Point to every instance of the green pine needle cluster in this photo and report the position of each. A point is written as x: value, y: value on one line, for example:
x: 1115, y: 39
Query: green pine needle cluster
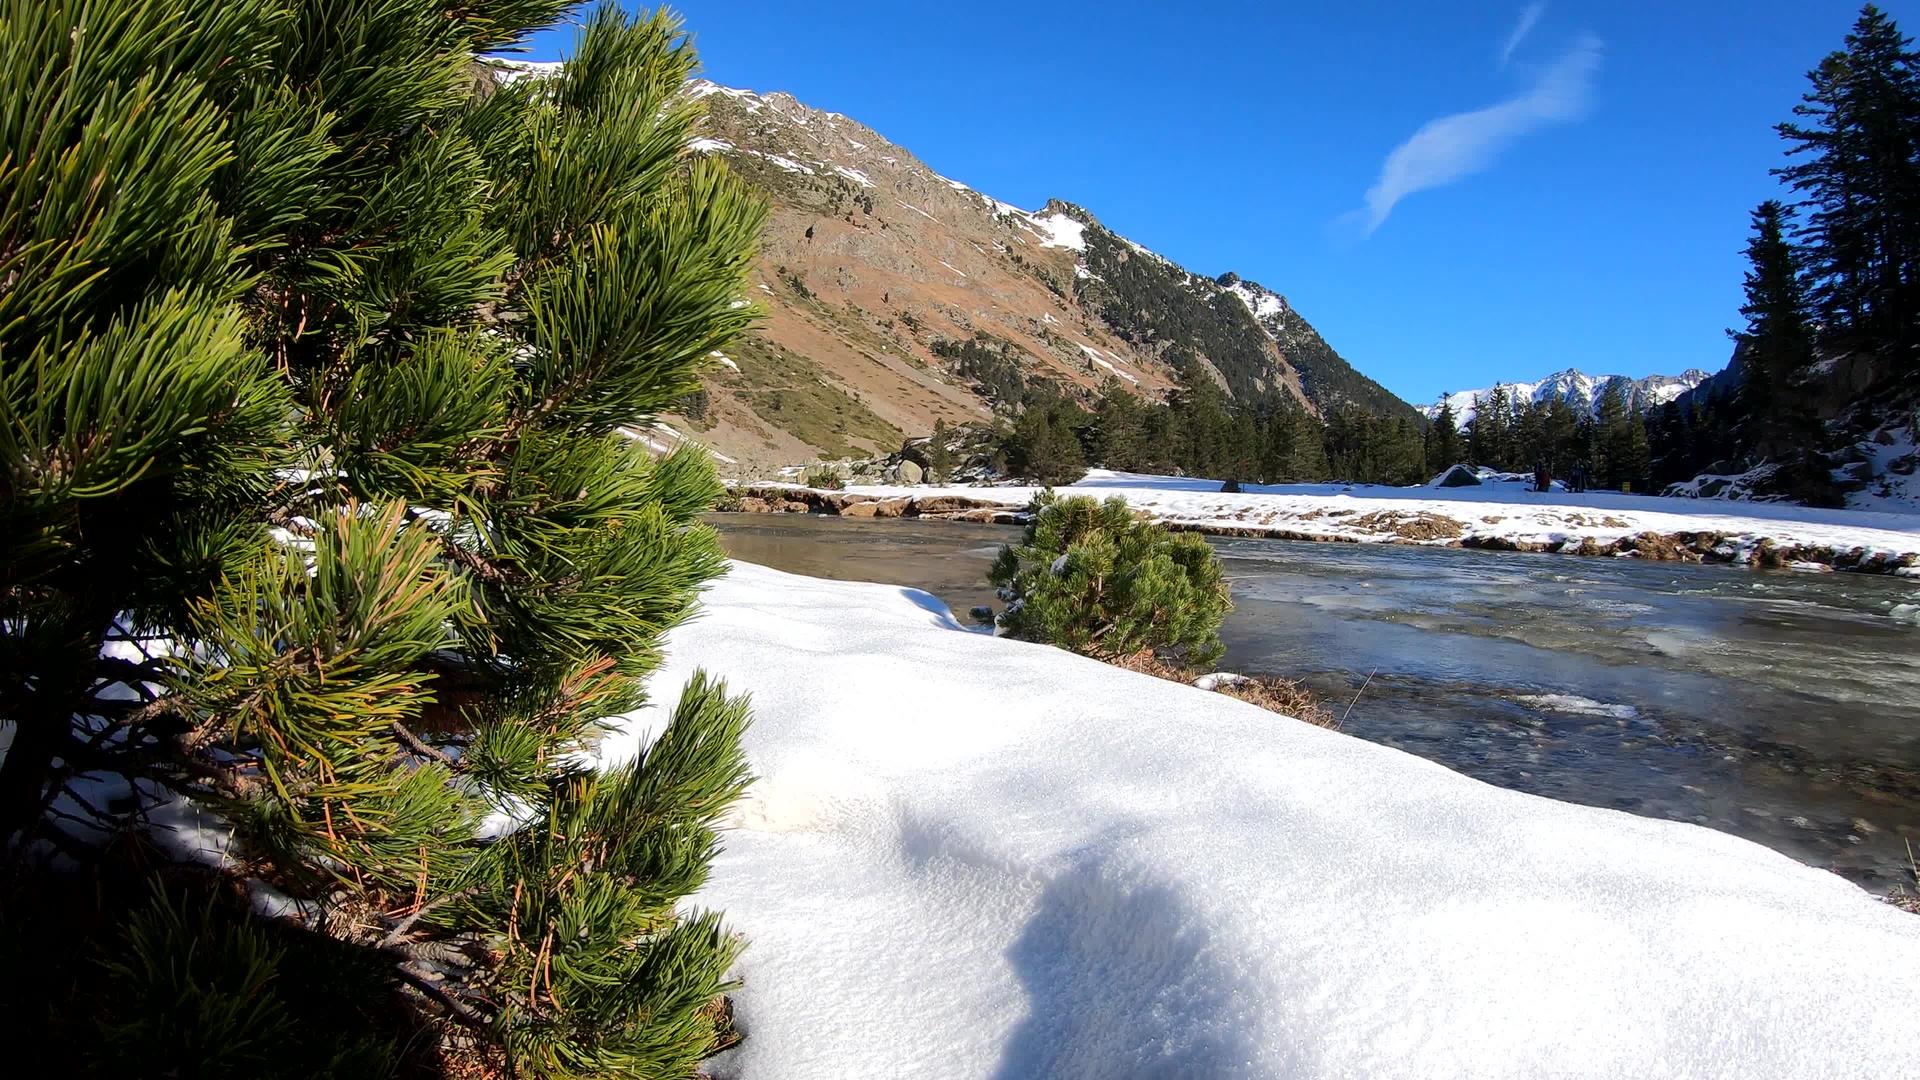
x: 319, y: 343
x: 1091, y: 577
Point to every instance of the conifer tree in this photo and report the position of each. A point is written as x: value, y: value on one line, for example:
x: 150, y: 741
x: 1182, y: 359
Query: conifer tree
x: 1530, y: 447
x: 1858, y: 145
x: 1443, y: 447
x: 317, y: 348
x: 1118, y: 430
x: 1620, y: 452
x: 939, y: 455
x: 1559, y: 432
x: 1201, y: 419
x: 1490, y: 438
x: 1044, y: 446
x: 1777, y: 343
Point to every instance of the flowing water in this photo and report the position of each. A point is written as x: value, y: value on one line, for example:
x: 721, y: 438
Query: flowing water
x: 1778, y: 706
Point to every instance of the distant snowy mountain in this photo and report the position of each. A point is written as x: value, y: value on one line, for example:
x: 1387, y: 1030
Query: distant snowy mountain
x: 1578, y: 389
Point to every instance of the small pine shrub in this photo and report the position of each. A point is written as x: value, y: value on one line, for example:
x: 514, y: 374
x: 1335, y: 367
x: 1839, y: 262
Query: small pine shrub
x: 825, y: 478
x: 1090, y: 577
x: 317, y: 338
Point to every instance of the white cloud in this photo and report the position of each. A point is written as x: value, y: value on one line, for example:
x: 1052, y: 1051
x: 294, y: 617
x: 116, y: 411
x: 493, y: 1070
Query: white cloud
x: 1460, y: 145
x: 1528, y: 16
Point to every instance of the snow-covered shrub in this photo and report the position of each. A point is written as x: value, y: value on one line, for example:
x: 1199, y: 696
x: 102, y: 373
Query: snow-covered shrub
x: 1091, y: 577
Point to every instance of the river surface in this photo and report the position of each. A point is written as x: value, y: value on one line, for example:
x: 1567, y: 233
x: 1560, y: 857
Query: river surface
x: 1779, y: 706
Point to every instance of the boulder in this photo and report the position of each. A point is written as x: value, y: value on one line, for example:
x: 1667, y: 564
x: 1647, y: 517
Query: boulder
x: 946, y: 504
x: 910, y: 473
x: 915, y: 450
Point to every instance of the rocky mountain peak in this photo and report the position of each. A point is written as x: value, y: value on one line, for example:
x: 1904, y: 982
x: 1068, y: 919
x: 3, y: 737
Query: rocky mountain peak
x: 1580, y: 391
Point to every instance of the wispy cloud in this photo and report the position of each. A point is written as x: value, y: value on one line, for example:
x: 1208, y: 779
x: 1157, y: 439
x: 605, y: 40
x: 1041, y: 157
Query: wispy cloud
x: 1460, y: 145
x: 1529, y: 15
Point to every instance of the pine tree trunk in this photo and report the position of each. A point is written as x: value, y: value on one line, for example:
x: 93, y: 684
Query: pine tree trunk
x: 42, y: 724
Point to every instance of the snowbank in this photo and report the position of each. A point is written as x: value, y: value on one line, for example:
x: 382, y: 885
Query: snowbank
x: 1501, y: 510
x: 973, y: 857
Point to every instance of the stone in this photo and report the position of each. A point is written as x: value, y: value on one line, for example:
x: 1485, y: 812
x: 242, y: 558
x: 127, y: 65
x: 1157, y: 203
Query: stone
x: 910, y: 473
x: 915, y: 450
x: 946, y: 504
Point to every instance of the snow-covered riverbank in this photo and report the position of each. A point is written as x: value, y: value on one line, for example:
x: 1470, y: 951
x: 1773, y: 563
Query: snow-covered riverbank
x: 972, y: 857
x: 1496, y: 514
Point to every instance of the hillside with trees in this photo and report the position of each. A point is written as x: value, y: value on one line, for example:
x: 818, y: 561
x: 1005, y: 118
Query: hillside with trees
x: 899, y: 298
x: 1818, y: 403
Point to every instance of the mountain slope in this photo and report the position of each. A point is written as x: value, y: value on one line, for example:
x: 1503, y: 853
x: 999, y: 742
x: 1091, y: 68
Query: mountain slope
x: 1578, y: 389
x: 871, y: 261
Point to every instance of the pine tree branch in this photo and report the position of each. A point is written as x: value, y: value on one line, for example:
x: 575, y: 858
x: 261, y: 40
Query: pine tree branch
x: 418, y: 746
x: 423, y: 981
x: 482, y: 568
x: 400, y: 929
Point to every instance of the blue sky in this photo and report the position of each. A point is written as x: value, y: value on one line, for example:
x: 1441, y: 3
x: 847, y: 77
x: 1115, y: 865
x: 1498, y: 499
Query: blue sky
x: 1589, y: 213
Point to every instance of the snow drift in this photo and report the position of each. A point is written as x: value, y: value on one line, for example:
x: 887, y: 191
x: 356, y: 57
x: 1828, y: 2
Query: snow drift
x: 973, y: 857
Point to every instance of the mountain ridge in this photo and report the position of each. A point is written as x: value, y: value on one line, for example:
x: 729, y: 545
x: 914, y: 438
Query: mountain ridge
x: 1575, y: 387
x: 876, y: 271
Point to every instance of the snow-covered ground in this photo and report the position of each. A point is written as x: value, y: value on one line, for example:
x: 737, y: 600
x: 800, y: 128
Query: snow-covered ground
x: 973, y: 857
x: 1890, y: 488
x: 1495, y: 510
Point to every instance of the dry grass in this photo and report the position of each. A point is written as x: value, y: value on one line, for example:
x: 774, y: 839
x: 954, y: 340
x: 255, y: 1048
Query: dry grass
x: 1283, y: 696
x: 1909, y: 899
x: 1270, y: 692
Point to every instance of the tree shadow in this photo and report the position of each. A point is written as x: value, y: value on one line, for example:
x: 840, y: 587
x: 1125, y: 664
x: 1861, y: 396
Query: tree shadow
x: 1123, y: 979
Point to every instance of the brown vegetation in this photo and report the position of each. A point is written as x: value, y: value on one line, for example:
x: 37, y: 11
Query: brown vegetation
x: 1413, y: 526
x: 1270, y: 692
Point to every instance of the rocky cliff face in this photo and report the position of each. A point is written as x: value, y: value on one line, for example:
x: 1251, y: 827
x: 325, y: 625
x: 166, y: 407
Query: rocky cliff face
x: 875, y: 271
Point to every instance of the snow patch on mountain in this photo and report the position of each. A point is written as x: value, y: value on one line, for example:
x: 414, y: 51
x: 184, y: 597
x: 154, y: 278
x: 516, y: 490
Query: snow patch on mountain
x: 1263, y: 304
x: 1059, y: 230
x: 699, y: 88
x: 854, y: 175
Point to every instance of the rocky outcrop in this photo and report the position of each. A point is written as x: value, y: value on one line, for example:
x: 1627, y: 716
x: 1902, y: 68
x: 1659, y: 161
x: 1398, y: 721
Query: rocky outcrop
x: 774, y: 499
